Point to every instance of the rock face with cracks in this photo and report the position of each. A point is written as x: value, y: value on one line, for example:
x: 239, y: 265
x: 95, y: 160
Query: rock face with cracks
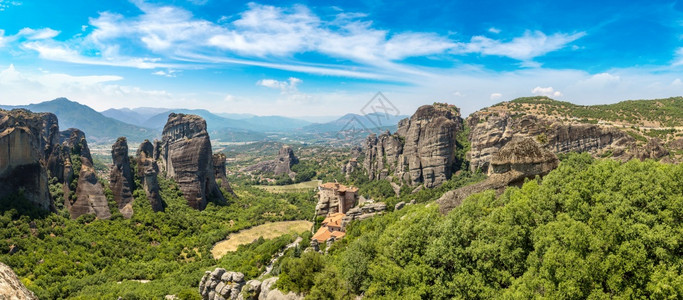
x: 185, y: 155
x: 27, y: 142
x: 519, y: 159
x: 121, y: 178
x: 148, y: 171
x: 89, y: 196
x: 220, y: 172
x: 422, y: 151
x: 281, y: 165
x: 220, y: 284
x: 11, y: 287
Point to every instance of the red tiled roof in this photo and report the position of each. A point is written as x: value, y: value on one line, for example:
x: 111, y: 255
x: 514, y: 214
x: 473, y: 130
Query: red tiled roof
x: 338, y: 187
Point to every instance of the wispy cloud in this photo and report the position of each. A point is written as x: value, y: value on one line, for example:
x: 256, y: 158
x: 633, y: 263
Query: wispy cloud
x: 5, y: 4
x: 524, y: 48
x: 165, y: 36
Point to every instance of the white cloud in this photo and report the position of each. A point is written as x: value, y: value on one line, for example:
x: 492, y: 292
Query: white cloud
x: 38, y: 34
x: 494, y: 30
x: 5, y: 4
x: 526, y: 47
x: 495, y: 96
x: 546, y: 91
x: 285, y: 86
x: 97, y: 91
x: 677, y: 82
x: 167, y: 73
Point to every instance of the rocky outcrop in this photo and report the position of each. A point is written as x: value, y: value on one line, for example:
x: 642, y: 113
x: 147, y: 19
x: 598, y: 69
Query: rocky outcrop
x: 11, y: 287
x: 422, y: 151
x: 26, y: 142
x: 147, y: 171
x: 519, y: 159
x: 89, y: 195
x: 121, y: 178
x: 225, y: 285
x: 185, y: 155
x: 366, y: 211
x: 491, y: 129
x: 219, y: 172
x: 281, y: 165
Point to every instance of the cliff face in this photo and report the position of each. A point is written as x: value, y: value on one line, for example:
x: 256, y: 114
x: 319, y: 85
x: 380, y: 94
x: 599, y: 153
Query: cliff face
x: 26, y: 143
x: 89, y: 197
x: 11, y: 287
x: 148, y: 171
x: 492, y: 129
x: 281, y: 165
x: 422, y: 151
x: 219, y: 172
x: 519, y: 159
x: 121, y: 178
x: 185, y: 155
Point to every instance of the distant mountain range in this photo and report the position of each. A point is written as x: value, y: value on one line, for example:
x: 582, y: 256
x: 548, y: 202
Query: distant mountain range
x: 142, y: 123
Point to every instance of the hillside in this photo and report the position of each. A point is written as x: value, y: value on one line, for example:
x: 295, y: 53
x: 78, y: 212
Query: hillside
x: 97, y: 127
x: 372, y: 122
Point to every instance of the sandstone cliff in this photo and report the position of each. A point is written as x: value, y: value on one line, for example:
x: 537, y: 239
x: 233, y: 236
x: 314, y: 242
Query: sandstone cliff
x: 26, y: 143
x: 422, y: 151
x: 519, y: 159
x: 11, y: 287
x: 147, y: 171
x: 185, y: 155
x: 121, y: 177
x: 89, y: 195
x: 491, y: 129
x: 219, y: 172
x: 281, y: 165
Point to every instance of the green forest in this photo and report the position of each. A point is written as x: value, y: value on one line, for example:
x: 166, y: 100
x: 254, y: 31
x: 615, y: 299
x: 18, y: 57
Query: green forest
x: 58, y: 257
x: 589, y: 229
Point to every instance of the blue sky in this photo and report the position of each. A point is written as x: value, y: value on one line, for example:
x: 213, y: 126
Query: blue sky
x: 307, y: 58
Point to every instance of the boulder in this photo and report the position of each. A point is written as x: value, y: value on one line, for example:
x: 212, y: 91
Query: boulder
x: 185, y: 155
x: 11, y: 287
x: 121, y: 178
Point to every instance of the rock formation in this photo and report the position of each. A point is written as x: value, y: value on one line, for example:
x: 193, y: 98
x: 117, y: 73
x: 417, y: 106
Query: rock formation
x: 519, y: 159
x: 491, y: 129
x: 422, y: 151
x: 147, y: 171
x: 89, y: 196
x: 11, y: 287
x: 368, y: 210
x: 121, y: 178
x: 219, y: 172
x: 225, y: 285
x: 26, y: 143
x: 281, y: 165
x: 185, y: 155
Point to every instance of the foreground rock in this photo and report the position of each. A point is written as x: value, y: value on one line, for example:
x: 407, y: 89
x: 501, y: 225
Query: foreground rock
x: 422, y: 151
x: 222, y: 285
x: 148, y: 171
x: 219, y: 172
x: 185, y: 155
x: 11, y: 287
x: 519, y: 159
x: 492, y: 128
x: 89, y: 195
x: 26, y: 143
x: 121, y: 178
x: 281, y: 165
